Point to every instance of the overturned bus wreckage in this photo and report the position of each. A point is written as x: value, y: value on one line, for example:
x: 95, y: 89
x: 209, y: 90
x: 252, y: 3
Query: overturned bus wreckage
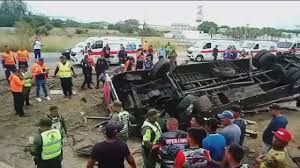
x: 207, y: 88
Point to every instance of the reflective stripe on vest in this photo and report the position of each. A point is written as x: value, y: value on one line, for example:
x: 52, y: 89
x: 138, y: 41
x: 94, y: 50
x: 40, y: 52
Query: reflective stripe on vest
x: 23, y: 56
x: 52, y: 144
x: 28, y: 79
x: 156, y: 129
x: 64, y: 70
x: 124, y: 118
x: 9, y: 59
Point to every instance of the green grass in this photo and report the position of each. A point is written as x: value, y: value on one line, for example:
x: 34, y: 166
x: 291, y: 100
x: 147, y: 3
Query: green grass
x: 61, y: 38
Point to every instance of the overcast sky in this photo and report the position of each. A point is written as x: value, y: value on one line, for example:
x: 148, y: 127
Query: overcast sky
x: 280, y: 14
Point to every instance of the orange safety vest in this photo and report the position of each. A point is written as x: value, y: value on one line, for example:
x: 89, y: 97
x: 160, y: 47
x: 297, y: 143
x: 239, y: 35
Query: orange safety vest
x: 9, y: 59
x: 16, y: 84
x: 36, y: 69
x: 23, y: 56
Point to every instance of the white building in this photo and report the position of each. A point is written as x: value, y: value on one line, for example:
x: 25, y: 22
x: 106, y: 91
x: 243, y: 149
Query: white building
x: 178, y: 28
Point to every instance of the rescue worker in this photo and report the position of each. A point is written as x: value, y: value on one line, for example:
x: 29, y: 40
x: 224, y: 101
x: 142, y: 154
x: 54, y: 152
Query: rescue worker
x: 168, y: 48
x: 46, y: 147
x: 87, y: 72
x: 151, y: 133
x: 16, y: 82
x: 129, y: 64
x: 23, y: 57
x: 58, y: 121
x: 40, y: 74
x: 100, y: 67
x: 65, y: 71
x: 171, y: 142
x: 120, y: 115
x: 122, y: 55
x: 215, y: 53
x: 194, y: 155
x: 27, y: 84
x: 8, y: 62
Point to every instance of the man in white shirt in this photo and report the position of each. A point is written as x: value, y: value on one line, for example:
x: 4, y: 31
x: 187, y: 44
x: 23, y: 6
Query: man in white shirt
x: 37, y: 45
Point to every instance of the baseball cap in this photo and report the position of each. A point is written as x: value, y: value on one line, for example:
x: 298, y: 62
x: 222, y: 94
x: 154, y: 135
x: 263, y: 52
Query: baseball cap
x: 283, y: 135
x: 275, y: 106
x: 113, y: 127
x: 226, y: 115
x: 45, y: 121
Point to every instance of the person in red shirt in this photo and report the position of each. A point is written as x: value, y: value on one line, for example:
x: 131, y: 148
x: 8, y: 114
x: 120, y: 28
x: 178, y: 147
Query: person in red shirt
x: 194, y: 156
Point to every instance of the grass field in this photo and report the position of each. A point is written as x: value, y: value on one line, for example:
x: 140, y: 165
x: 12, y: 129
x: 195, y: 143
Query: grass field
x: 61, y: 38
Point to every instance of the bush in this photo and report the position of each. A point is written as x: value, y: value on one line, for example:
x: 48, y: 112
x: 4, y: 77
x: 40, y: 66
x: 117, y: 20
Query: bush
x: 78, y: 31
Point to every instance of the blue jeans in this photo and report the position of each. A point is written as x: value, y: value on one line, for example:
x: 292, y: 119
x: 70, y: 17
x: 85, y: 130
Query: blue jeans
x: 39, y: 84
x: 37, y: 53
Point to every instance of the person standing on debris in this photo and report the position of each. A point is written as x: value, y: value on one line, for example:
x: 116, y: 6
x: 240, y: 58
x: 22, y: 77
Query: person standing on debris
x: 151, y: 133
x: 37, y: 45
x: 234, y: 157
x: 161, y: 54
x: 122, y: 55
x: 27, y: 84
x: 278, y: 121
x: 231, y: 131
x: 47, y: 146
x: 111, y: 152
x: 40, y: 73
x: 8, y: 62
x: 236, y: 109
x: 23, y: 57
x: 65, y: 71
x: 58, y: 122
x: 100, y: 67
x: 16, y: 81
x: 171, y: 142
x: 215, y: 53
x: 87, y: 72
x: 214, y: 142
x: 120, y: 115
x: 197, y: 122
x: 194, y: 155
x: 277, y: 156
x: 168, y: 48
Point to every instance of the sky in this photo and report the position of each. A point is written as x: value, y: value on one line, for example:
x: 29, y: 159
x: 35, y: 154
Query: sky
x: 278, y: 14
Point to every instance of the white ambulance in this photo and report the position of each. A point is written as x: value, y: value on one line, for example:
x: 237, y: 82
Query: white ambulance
x: 253, y: 47
x: 203, y: 49
x: 288, y: 47
x: 97, y: 44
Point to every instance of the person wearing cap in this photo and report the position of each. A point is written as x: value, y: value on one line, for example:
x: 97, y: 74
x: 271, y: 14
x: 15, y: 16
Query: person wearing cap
x: 27, y: 83
x: 111, y: 152
x: 278, y: 121
x: 214, y: 142
x: 120, y: 115
x: 236, y: 109
x: 151, y: 133
x: 100, y: 67
x: 40, y: 74
x: 277, y: 156
x: 16, y: 82
x: 46, y: 146
x: 58, y: 121
x: 231, y: 131
x: 65, y: 71
x: 87, y: 70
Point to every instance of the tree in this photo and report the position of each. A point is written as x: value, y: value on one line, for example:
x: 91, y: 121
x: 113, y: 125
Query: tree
x: 205, y: 26
x: 212, y: 31
x: 57, y: 22
x: 15, y: 8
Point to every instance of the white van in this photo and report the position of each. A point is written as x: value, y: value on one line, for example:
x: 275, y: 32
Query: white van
x: 253, y: 47
x: 130, y: 44
x: 288, y: 47
x: 202, y: 50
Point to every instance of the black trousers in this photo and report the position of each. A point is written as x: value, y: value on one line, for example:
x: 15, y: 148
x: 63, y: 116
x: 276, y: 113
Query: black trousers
x: 26, y: 95
x: 23, y: 63
x: 8, y: 69
x: 66, y: 84
x: 87, y: 80
x: 18, y: 103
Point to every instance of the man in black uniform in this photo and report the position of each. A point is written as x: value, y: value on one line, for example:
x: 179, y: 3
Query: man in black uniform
x: 215, y: 53
x: 171, y: 143
x: 87, y: 72
x: 100, y: 67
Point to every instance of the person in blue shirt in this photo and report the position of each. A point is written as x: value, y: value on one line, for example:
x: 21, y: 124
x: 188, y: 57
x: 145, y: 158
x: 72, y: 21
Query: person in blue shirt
x: 214, y: 142
x: 161, y: 53
x: 278, y: 121
x: 148, y: 64
x: 236, y: 109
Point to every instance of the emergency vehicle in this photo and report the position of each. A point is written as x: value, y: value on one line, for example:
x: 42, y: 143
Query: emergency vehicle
x: 253, y: 47
x: 203, y: 50
x: 288, y: 47
x: 96, y: 46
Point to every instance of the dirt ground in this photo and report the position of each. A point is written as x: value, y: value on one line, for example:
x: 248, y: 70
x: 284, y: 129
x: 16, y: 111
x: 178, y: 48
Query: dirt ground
x: 15, y: 131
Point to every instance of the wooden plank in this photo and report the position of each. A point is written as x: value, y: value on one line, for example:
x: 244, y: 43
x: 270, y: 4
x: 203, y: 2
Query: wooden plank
x: 60, y: 92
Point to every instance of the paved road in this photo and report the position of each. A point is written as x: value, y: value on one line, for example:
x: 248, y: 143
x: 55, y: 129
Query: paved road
x: 52, y: 58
